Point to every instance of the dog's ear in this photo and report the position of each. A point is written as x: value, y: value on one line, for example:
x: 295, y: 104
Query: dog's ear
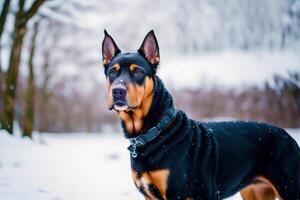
x: 149, y: 48
x: 109, y: 49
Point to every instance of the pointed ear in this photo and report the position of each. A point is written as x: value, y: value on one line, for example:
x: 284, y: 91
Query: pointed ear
x: 150, y: 49
x: 109, y: 49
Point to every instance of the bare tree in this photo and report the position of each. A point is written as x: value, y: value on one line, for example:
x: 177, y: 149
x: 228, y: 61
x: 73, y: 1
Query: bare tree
x: 21, y: 19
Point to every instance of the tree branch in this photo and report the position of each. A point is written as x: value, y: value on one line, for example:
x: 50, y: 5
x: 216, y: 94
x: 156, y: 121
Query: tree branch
x: 3, y: 15
x: 21, y: 4
x: 33, y: 9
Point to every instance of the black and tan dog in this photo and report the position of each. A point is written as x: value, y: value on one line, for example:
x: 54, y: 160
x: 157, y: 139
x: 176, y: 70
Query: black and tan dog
x: 175, y: 157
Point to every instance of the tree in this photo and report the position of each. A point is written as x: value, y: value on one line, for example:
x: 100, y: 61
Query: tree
x: 28, y: 120
x: 3, y: 16
x: 21, y: 19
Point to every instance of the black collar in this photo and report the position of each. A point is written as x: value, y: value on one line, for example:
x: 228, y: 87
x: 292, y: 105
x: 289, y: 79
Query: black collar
x: 152, y: 133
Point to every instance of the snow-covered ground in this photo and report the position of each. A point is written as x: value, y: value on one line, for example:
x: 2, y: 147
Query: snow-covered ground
x: 69, y: 167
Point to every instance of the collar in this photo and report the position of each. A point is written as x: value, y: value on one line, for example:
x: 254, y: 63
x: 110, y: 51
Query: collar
x: 152, y: 133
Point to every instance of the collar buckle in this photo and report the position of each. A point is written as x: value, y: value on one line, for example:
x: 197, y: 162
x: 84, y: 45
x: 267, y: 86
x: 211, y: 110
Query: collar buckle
x: 136, y: 142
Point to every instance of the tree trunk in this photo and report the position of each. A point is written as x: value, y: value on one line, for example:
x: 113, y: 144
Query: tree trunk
x: 11, y: 78
x: 28, y: 121
x: 45, y: 95
x: 3, y: 16
x: 13, y: 70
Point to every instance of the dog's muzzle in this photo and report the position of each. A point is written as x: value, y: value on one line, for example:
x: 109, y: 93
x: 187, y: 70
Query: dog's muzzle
x: 119, y: 93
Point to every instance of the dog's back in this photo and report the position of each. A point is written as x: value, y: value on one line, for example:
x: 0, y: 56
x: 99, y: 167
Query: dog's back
x: 247, y: 150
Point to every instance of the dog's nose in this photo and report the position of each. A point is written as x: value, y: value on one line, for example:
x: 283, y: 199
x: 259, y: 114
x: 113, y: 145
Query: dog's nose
x: 119, y: 92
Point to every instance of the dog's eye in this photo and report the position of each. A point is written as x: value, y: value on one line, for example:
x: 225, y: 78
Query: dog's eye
x: 113, y: 73
x: 138, y: 73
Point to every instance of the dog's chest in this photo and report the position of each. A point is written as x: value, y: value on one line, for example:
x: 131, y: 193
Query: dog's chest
x: 152, y: 184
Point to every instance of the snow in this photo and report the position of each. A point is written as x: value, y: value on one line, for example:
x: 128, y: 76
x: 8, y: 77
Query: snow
x: 227, y: 68
x: 69, y: 167
x: 73, y: 166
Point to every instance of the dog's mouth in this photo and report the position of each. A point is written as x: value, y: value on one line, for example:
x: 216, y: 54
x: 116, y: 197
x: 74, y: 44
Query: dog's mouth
x: 120, y: 105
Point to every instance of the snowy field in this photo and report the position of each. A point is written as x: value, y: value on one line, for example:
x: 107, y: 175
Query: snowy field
x: 69, y: 167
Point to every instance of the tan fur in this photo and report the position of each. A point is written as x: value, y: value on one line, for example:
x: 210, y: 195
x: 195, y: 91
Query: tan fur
x: 263, y: 189
x: 146, y: 181
x: 132, y: 67
x: 139, y: 94
x: 158, y: 178
x: 138, y: 119
x: 105, y: 61
x: 117, y: 66
x: 128, y: 120
x: 140, y: 97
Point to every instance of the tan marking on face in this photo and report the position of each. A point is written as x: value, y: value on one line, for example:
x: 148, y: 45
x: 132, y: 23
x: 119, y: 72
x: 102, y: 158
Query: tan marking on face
x: 148, y: 95
x: 262, y: 190
x: 137, y: 96
x: 132, y: 67
x: 133, y: 123
x: 117, y: 66
x: 158, y: 178
x: 140, y: 97
x: 140, y: 91
x: 132, y: 95
x: 109, y: 88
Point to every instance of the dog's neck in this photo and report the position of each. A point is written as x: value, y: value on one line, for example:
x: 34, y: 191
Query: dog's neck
x: 159, y: 104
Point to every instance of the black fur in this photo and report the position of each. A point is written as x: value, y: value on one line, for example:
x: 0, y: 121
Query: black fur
x: 215, y: 160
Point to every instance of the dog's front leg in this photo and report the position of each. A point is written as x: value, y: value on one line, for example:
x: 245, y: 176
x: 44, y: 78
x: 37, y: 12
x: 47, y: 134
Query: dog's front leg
x: 152, y: 184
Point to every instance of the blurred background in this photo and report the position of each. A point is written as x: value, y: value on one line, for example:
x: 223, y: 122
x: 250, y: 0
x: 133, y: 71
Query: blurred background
x: 220, y: 59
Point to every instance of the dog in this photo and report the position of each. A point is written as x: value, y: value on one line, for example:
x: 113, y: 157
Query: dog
x: 175, y: 157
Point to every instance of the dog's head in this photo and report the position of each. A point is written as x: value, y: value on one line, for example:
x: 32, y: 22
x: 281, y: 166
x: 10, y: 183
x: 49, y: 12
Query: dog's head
x: 129, y: 76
